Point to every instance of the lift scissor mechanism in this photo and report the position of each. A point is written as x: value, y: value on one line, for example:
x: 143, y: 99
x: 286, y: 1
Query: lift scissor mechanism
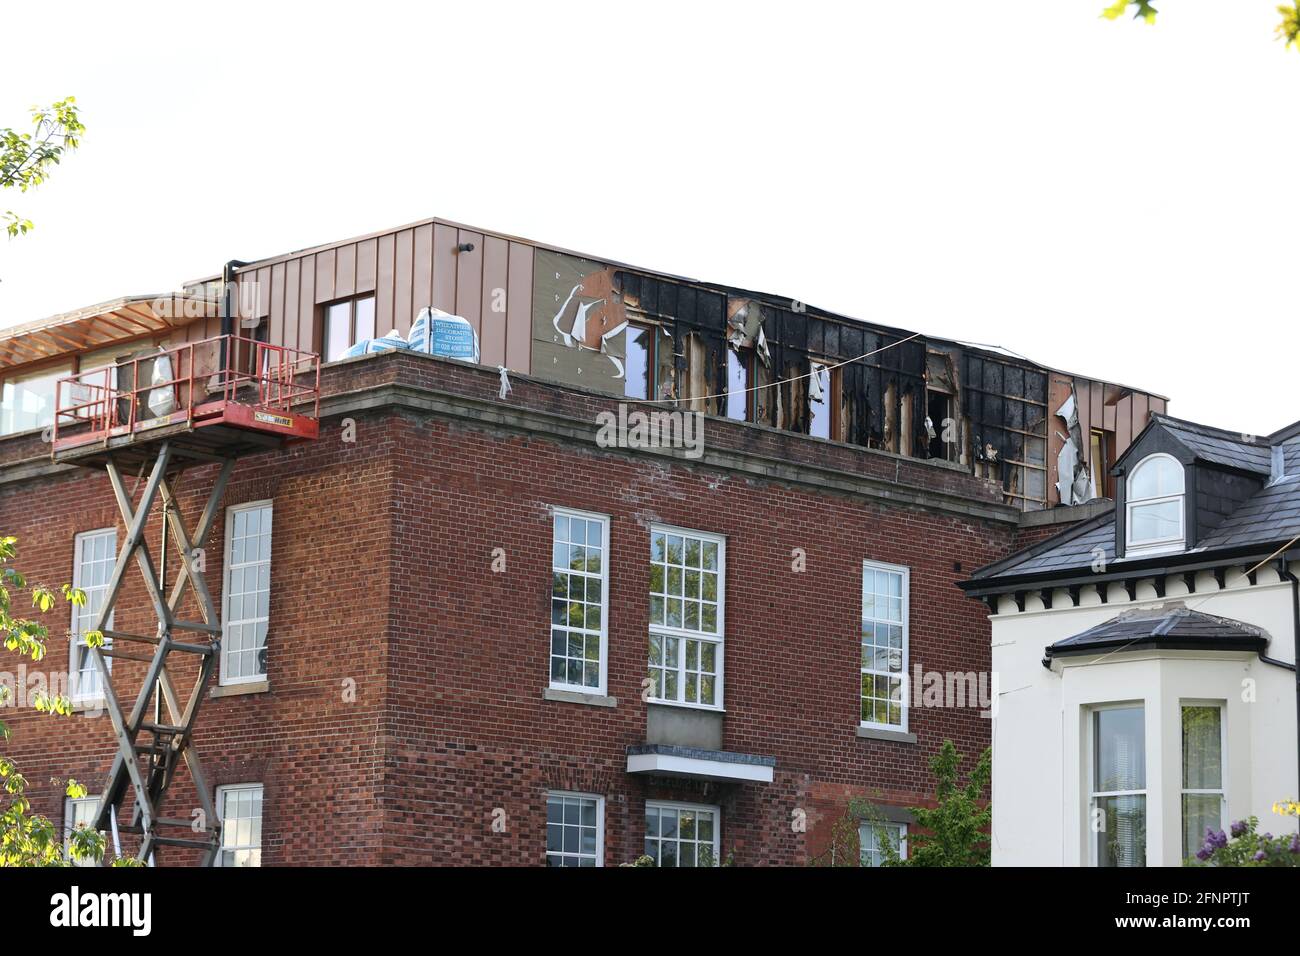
x: 212, y: 402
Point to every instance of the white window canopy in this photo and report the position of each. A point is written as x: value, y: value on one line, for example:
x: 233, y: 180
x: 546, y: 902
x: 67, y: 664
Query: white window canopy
x: 689, y: 763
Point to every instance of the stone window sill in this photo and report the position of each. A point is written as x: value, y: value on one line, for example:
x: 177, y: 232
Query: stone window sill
x: 575, y: 697
x: 239, y: 690
x: 872, y: 733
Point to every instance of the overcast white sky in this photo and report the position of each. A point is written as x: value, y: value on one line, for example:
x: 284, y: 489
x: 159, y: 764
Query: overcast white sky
x: 1111, y: 198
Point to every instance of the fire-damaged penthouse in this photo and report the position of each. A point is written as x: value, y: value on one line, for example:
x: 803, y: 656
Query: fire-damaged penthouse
x: 1046, y: 437
x: 438, y: 620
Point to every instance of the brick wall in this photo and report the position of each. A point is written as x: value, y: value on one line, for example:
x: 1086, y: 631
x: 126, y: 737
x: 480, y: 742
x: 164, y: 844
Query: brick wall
x: 382, y: 579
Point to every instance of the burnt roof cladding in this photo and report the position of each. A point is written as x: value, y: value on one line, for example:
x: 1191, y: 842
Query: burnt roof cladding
x: 1002, y: 406
x: 1266, y: 519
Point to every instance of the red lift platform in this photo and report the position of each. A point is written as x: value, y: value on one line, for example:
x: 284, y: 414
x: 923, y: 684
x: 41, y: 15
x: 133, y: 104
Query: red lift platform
x: 160, y: 412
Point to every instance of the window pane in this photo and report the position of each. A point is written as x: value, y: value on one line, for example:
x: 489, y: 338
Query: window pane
x: 241, y: 825
x: 28, y: 400
x: 1201, y: 812
x: 1154, y: 478
x: 737, y: 383
x: 1156, y: 522
x: 1121, y: 750
x: 1123, y: 841
x: 365, y: 319
x: 338, y: 330
x: 638, y: 345
x: 577, y: 600
x: 572, y: 831
x: 819, y: 401
x: 1202, y: 748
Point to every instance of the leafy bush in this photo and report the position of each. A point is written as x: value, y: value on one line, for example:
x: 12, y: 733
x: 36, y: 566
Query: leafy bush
x: 1243, y: 845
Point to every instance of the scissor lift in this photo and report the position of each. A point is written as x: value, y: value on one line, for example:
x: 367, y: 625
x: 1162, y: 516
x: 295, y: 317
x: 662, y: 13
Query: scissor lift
x: 162, y: 412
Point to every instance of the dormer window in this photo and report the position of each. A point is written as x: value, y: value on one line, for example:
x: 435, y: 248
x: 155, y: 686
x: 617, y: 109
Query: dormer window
x: 1154, y: 518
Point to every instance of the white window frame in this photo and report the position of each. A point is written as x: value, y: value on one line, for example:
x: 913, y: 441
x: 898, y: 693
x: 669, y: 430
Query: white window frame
x: 683, y: 634
x: 221, y: 814
x: 693, y: 807
x: 224, y: 679
x: 1090, y: 804
x: 600, y: 689
x: 1155, y: 545
x: 906, y: 616
x: 75, y: 691
x: 1222, y: 790
x: 870, y: 827
x: 70, y: 805
x: 600, y: 823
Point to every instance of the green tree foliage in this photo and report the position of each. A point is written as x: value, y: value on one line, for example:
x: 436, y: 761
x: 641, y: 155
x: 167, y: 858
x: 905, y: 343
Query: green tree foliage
x: 27, y: 158
x: 26, y: 838
x: 955, y: 831
x: 952, y: 833
x: 1288, y: 29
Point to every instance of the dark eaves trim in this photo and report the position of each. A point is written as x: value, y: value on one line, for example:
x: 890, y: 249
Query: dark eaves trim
x: 1123, y: 570
x: 1255, y: 645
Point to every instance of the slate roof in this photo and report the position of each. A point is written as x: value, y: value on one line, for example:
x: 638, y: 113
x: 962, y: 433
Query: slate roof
x: 1220, y: 447
x: 1171, y: 627
x: 1268, y: 518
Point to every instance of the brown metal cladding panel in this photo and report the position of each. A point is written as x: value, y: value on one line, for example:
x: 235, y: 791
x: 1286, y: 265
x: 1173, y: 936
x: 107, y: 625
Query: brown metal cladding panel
x: 1123, y: 424
x: 366, y: 256
x: 1158, y: 405
x: 1141, y: 412
x: 345, y: 271
x: 292, y: 286
x: 422, y: 269
x: 263, y: 293
x: 469, y: 281
x: 384, y: 287
x: 307, y: 341
x: 402, y: 278
x: 1097, y: 397
x: 496, y: 266
x: 246, y: 297
x: 444, y: 268
x: 325, y: 276
x: 275, y: 327
x: 519, y: 305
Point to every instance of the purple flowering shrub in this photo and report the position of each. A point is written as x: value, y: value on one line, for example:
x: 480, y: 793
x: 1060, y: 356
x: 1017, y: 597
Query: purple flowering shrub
x: 1244, y: 846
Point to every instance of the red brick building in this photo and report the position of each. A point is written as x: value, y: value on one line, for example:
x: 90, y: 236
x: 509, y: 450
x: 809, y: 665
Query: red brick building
x: 459, y: 628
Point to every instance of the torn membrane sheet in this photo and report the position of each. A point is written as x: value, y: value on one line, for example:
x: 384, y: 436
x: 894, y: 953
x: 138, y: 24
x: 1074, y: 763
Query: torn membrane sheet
x: 745, y: 330
x: 1074, y: 483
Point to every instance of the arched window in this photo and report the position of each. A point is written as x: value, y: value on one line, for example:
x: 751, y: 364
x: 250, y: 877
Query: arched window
x: 1154, y: 493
